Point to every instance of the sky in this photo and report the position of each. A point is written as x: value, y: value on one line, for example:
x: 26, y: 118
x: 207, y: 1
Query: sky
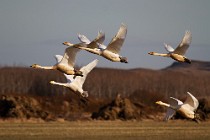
x: 32, y: 31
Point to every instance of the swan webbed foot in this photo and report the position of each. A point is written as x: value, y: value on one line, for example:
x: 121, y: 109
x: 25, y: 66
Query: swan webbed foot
x: 84, y: 100
x: 85, y: 94
x: 78, y: 73
x: 187, y: 60
x: 123, y: 59
x: 197, y: 120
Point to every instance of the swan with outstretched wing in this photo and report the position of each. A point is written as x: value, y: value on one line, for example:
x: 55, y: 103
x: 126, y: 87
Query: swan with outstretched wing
x: 178, y: 53
x: 186, y: 109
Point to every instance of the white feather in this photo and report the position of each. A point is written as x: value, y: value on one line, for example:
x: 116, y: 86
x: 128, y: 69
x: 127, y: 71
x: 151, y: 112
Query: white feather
x: 58, y: 58
x: 168, y: 48
x: 83, y: 39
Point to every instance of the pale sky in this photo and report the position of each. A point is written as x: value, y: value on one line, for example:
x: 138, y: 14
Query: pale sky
x: 32, y: 31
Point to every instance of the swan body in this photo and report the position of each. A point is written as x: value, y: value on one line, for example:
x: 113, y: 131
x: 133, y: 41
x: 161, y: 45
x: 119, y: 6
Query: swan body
x: 66, y: 64
x: 110, y: 52
x: 76, y: 84
x: 178, y: 53
x: 186, y: 109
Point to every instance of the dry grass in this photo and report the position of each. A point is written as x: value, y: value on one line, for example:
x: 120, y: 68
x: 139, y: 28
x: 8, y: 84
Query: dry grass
x: 104, y: 130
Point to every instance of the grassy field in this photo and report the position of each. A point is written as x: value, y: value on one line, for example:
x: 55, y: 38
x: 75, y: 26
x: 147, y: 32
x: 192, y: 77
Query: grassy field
x: 104, y: 130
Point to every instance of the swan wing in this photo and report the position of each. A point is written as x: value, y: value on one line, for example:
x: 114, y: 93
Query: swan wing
x: 69, y: 56
x: 94, y: 44
x: 69, y: 78
x: 192, y: 101
x: 83, y: 39
x: 169, y: 114
x: 185, y: 43
x: 102, y: 46
x: 85, y: 70
x: 58, y: 58
x: 98, y: 40
x: 168, y: 48
x: 117, y: 41
x: 176, y: 103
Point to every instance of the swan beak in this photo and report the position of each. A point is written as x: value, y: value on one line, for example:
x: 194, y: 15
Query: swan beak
x: 65, y: 43
x: 34, y: 66
x: 151, y: 53
x: 158, y: 102
x: 52, y: 82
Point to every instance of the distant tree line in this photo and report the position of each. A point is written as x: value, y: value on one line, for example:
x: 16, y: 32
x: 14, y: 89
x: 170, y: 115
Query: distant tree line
x: 107, y: 83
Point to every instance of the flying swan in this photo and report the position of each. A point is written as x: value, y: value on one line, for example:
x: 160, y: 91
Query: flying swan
x: 178, y: 53
x: 92, y: 45
x: 186, y: 109
x: 66, y: 65
x: 76, y: 84
x: 110, y: 52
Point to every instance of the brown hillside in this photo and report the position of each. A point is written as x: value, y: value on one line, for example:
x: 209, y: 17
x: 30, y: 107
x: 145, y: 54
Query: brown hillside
x: 196, y: 65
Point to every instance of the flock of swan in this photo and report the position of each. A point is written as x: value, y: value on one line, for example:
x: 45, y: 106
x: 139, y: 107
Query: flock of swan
x: 76, y: 78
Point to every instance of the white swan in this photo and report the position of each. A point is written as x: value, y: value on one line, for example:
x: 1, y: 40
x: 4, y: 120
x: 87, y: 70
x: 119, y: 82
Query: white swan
x: 178, y: 53
x: 92, y: 45
x: 66, y: 65
x: 76, y: 84
x: 186, y: 109
x: 111, y: 52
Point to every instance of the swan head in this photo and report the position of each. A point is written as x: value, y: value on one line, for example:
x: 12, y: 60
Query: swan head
x: 123, y: 59
x: 35, y: 66
x: 151, y: 53
x: 52, y: 82
x: 78, y: 73
x: 159, y: 102
x: 67, y: 44
x: 85, y: 94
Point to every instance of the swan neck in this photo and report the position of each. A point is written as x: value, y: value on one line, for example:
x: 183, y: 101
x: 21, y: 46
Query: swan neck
x: 60, y: 84
x: 165, y: 104
x: 160, y: 54
x: 92, y: 50
x: 170, y: 106
x: 47, y: 67
x: 68, y: 44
